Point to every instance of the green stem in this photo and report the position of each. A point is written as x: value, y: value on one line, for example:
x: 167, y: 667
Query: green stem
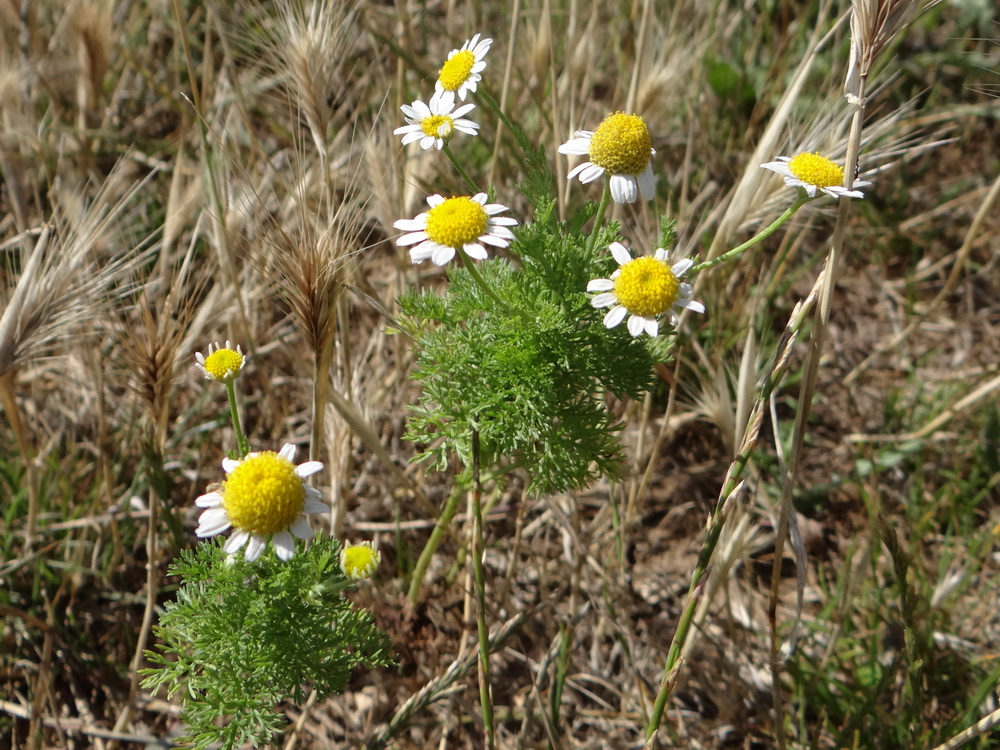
x: 737, y: 251
x: 461, y: 170
x: 437, y: 534
x: 602, y: 207
x: 241, y: 442
x: 481, y: 282
x: 485, y: 697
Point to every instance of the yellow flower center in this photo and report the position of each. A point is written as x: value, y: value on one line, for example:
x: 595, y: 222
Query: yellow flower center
x: 457, y: 70
x: 646, y: 287
x: 223, y: 364
x: 437, y: 126
x: 456, y: 222
x: 359, y: 561
x: 816, y: 170
x: 263, y: 494
x: 621, y: 144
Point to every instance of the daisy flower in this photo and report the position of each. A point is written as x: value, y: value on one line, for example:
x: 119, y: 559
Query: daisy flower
x: 643, y: 288
x: 813, y: 172
x: 263, y: 498
x: 452, y: 224
x: 460, y: 72
x: 621, y: 147
x: 434, y: 124
x: 222, y: 363
x: 360, y: 561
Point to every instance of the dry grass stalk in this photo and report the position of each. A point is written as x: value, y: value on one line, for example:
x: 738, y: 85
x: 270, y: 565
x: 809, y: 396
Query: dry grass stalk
x: 91, y: 29
x: 66, y: 277
x: 314, y: 43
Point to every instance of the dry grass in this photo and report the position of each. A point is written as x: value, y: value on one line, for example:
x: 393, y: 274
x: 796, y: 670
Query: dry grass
x: 179, y: 173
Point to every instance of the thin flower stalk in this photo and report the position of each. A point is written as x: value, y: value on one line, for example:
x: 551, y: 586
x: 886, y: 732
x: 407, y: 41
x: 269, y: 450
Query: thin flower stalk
x: 485, y: 691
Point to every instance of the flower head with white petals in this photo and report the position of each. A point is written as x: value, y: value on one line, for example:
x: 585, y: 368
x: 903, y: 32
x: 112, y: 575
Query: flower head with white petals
x: 461, y: 71
x: 452, y: 224
x: 222, y: 363
x: 264, y: 498
x: 435, y: 123
x: 813, y: 172
x: 621, y: 147
x: 643, y: 288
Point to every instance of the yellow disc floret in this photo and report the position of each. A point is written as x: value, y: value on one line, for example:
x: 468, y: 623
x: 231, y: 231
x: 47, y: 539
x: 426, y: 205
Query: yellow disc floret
x: 457, y: 222
x: 437, y: 126
x: 646, y: 287
x: 455, y: 72
x: 817, y: 170
x: 263, y: 494
x: 223, y: 364
x: 360, y: 560
x: 621, y: 144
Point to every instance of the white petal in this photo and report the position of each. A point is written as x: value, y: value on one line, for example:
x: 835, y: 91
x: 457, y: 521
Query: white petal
x: 412, y: 136
x: 619, y: 253
x: 577, y: 146
x: 624, y: 188
x: 300, y: 527
x: 600, y: 285
x: 467, y: 127
x: 476, y: 251
x: 423, y: 251
x: 647, y: 183
x: 605, y: 300
x: 236, y: 541
x: 256, y: 546
x: 636, y: 325
x: 591, y: 173
x: 435, y: 200
x: 614, y: 316
x: 284, y: 545
x: 211, y: 522
x: 652, y: 327
x: 411, y: 239
x: 287, y: 452
x: 315, y: 506
x: 681, y: 267
x: 411, y: 225
x: 499, y: 236
x: 308, y: 468
x: 228, y: 464
x: 462, y: 111
x: 209, y: 500
x: 690, y: 304
x: 441, y: 254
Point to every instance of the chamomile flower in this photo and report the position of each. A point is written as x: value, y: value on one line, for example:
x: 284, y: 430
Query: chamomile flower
x: 222, y: 363
x: 360, y: 560
x: 460, y: 72
x: 643, y: 288
x: 263, y: 498
x: 455, y: 223
x: 813, y: 172
x: 434, y: 124
x: 621, y: 147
